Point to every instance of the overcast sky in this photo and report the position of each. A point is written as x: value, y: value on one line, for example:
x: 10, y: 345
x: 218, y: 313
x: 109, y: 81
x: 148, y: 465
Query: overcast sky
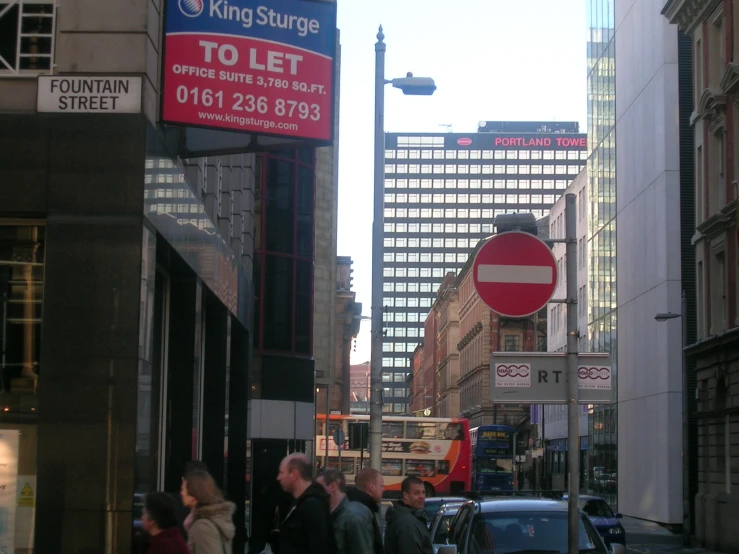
x: 491, y: 60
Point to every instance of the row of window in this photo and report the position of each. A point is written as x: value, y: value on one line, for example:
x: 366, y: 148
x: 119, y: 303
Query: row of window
x: 395, y: 362
x: 461, y: 213
x: 509, y: 184
x: 410, y: 287
x: 437, y: 141
x: 415, y: 154
x: 411, y: 332
x: 484, y: 169
x: 423, y: 257
x: 403, y: 317
x: 417, y: 271
x: 399, y: 346
x: 398, y: 242
x: 407, y: 302
x: 402, y: 198
x: 388, y: 377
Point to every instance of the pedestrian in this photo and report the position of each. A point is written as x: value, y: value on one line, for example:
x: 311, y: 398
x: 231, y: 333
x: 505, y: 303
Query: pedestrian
x: 306, y: 529
x: 159, y: 520
x: 407, y: 531
x: 184, y: 515
x: 368, y: 488
x: 212, y: 530
x: 352, y: 521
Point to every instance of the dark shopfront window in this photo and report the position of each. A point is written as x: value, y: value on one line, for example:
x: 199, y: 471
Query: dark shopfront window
x: 283, y: 271
x: 21, y: 297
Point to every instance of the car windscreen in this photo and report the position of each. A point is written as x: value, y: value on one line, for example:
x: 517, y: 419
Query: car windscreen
x: 522, y: 532
x: 596, y: 508
x: 442, y: 529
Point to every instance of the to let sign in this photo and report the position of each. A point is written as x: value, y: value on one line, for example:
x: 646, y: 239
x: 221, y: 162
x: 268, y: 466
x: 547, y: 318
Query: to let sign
x: 515, y: 274
x: 242, y: 65
x: 88, y: 94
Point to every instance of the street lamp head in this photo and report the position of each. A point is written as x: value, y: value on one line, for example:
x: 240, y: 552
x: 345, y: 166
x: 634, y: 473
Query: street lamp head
x: 415, y: 86
x: 665, y: 317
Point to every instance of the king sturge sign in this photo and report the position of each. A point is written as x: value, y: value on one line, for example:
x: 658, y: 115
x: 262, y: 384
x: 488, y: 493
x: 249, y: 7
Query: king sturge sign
x: 88, y: 94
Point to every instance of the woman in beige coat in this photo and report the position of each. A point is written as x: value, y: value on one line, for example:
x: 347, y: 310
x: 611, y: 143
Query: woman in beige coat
x: 212, y: 530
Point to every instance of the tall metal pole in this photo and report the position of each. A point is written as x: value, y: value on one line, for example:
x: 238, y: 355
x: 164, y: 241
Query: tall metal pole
x: 573, y: 449
x: 377, y: 230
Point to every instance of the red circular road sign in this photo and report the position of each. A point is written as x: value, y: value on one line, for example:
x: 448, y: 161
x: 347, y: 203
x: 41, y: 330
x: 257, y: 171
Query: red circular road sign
x: 515, y: 273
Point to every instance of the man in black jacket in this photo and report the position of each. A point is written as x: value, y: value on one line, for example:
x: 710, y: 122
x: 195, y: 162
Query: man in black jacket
x: 306, y: 529
x: 368, y: 490
x: 407, y: 532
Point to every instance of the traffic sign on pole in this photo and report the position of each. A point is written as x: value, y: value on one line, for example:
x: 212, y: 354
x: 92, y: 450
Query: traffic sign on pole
x: 515, y: 274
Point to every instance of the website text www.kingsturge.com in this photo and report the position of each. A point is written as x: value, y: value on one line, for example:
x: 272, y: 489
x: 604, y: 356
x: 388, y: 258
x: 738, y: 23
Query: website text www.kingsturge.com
x: 244, y: 121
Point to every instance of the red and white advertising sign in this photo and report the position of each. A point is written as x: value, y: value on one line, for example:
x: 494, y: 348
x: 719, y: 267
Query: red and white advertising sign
x: 515, y: 274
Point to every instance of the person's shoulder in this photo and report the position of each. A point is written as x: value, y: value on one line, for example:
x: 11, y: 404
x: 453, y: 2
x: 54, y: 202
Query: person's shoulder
x: 359, y: 509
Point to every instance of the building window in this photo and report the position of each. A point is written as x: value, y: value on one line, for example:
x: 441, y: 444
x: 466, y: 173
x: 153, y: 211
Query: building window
x: 512, y: 343
x: 27, y: 37
x: 22, y: 251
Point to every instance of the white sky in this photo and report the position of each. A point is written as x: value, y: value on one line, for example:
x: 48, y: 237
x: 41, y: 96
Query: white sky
x: 491, y: 60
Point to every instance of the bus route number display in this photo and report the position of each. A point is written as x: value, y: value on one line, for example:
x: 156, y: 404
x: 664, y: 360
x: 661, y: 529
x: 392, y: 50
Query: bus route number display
x: 239, y: 65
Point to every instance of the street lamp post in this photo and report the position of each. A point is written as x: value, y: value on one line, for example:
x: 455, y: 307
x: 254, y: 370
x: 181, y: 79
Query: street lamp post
x: 414, y: 86
x: 687, y: 520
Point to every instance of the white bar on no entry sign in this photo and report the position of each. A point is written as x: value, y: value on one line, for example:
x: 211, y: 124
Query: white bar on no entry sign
x: 526, y: 274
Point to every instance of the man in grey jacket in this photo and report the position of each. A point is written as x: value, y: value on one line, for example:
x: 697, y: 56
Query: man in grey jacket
x: 352, y: 521
x: 407, y: 532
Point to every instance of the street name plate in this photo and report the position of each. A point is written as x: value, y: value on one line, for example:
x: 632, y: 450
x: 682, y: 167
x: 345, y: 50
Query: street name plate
x: 541, y: 378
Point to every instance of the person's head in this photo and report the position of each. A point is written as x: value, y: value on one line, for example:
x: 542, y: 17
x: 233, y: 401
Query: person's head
x: 295, y: 473
x: 370, y: 481
x: 199, y: 489
x: 414, y: 493
x: 333, y: 481
x: 159, y: 513
x: 194, y: 465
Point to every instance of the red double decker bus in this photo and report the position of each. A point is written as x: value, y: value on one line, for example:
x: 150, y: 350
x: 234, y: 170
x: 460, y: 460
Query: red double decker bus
x: 435, y: 450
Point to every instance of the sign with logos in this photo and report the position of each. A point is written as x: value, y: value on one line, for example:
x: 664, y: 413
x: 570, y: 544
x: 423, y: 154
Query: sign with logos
x: 541, y: 378
x: 256, y: 66
x: 88, y: 94
x: 515, y: 274
x: 9, y: 440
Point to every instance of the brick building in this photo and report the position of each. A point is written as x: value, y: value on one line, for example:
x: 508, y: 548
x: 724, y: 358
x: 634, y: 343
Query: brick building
x: 359, y: 388
x: 713, y: 355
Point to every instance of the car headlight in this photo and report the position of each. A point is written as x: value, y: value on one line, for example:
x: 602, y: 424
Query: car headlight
x: 616, y: 531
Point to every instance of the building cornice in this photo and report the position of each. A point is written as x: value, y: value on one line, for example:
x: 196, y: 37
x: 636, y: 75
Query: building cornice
x: 688, y: 14
x: 730, y: 80
x: 711, y: 105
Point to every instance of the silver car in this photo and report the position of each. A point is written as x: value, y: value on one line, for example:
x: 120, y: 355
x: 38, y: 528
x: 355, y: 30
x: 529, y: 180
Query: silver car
x: 441, y: 523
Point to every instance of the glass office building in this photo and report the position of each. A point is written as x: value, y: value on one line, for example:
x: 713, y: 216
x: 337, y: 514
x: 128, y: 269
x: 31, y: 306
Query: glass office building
x: 601, y: 476
x: 442, y: 193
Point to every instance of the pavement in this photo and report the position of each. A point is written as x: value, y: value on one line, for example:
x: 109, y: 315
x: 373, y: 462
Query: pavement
x: 647, y: 537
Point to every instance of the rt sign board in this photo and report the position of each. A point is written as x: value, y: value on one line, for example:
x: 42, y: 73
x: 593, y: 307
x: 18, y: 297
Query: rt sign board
x: 541, y: 378
x: 251, y: 66
x: 515, y: 274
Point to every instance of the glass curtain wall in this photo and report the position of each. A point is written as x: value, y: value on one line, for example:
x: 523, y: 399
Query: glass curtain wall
x: 600, y: 470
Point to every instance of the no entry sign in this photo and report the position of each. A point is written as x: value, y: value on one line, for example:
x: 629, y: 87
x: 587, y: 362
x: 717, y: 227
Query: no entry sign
x: 515, y: 273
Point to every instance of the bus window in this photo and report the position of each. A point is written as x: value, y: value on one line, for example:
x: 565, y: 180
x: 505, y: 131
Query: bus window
x: 451, y: 431
x: 422, y: 430
x: 347, y: 464
x: 392, y: 468
x: 420, y: 468
x: 392, y: 430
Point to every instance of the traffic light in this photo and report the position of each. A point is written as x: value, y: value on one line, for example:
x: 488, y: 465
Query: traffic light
x: 359, y: 435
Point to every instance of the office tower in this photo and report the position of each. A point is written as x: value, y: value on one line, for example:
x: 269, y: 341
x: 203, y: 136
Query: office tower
x: 442, y: 193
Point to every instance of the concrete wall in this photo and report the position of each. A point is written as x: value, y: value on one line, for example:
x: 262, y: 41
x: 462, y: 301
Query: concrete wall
x: 648, y: 263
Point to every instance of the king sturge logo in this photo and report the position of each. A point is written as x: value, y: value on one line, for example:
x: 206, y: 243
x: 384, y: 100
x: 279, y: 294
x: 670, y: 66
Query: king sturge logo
x: 191, y: 8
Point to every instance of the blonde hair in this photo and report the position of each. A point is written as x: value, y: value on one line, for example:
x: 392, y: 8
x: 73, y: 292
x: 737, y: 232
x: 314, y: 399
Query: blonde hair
x: 202, y: 487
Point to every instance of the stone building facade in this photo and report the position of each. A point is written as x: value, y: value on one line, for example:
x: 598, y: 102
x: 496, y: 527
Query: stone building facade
x: 712, y: 26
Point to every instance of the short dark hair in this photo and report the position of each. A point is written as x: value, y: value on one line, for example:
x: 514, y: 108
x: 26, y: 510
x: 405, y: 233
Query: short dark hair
x: 160, y: 507
x: 193, y: 466
x: 334, y: 476
x: 408, y: 482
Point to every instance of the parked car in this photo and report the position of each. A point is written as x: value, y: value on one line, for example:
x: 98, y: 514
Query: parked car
x: 441, y: 524
x: 520, y: 525
x: 603, y: 518
x: 434, y: 504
